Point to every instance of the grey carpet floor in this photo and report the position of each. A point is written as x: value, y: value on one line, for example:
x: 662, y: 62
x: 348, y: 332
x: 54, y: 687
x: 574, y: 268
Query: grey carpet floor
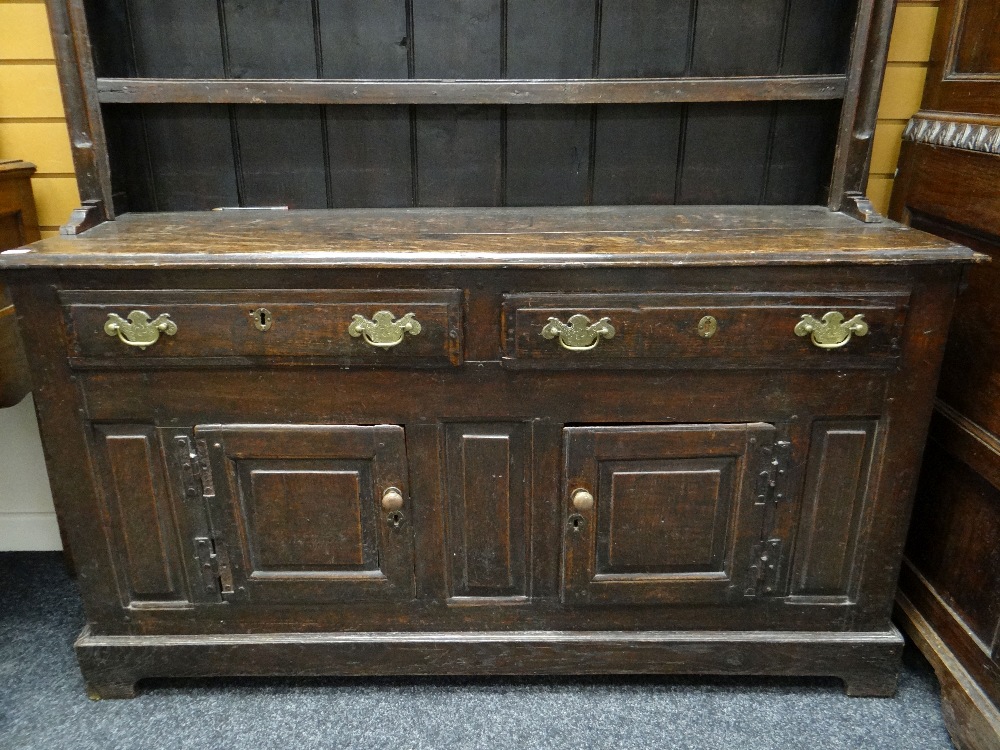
x: 43, y: 705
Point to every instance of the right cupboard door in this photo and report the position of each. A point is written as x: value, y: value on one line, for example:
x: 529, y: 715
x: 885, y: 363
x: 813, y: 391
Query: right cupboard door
x: 663, y: 514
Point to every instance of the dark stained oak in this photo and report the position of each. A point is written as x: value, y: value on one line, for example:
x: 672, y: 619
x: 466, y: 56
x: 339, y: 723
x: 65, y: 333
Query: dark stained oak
x: 701, y: 488
x: 519, y: 91
x: 453, y: 237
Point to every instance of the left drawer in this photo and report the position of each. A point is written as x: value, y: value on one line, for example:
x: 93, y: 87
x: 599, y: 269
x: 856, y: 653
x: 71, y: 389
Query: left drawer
x: 347, y: 327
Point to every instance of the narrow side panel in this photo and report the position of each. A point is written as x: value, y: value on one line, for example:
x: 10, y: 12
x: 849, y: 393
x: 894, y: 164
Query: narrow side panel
x: 139, y: 512
x: 487, y: 481
x: 839, y: 464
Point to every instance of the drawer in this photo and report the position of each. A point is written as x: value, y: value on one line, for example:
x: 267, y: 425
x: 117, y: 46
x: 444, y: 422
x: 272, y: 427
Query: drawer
x: 394, y: 327
x: 739, y: 330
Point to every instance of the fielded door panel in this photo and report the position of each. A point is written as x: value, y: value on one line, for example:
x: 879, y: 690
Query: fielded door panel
x: 663, y: 514
x: 312, y: 513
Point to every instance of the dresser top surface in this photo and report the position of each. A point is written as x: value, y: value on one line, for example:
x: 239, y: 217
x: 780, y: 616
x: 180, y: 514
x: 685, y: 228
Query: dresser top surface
x: 604, y: 236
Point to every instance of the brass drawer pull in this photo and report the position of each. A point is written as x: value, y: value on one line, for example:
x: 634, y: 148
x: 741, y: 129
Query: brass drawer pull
x: 579, y: 334
x: 832, y: 331
x: 139, y: 330
x: 383, y: 330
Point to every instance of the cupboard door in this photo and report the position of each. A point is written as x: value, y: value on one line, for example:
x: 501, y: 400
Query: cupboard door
x: 663, y: 514
x: 311, y: 513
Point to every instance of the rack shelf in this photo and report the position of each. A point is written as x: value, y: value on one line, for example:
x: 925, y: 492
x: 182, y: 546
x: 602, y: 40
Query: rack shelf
x: 436, y: 91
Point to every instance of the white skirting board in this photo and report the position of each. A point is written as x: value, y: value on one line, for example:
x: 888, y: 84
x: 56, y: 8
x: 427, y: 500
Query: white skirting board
x: 27, y: 517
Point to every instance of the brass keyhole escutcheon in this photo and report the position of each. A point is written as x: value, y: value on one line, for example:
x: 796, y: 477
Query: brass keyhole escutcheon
x: 583, y: 500
x: 576, y: 523
x: 392, y: 499
x: 261, y: 318
x: 707, y: 326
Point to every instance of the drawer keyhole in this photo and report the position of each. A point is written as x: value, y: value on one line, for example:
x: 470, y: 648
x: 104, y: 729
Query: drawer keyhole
x: 261, y: 318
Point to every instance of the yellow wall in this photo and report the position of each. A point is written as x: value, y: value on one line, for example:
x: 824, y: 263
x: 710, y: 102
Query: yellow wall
x: 32, y: 126
x: 909, y: 51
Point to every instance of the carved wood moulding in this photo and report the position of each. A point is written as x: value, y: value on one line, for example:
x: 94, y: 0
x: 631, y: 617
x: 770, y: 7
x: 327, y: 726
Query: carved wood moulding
x: 970, y: 135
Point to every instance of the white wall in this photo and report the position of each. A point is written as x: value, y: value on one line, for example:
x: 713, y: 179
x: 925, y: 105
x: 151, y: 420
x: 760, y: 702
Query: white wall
x: 27, y: 518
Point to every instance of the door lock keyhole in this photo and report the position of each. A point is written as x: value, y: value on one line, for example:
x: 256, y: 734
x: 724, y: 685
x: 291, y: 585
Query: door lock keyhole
x: 577, y: 522
x: 394, y: 519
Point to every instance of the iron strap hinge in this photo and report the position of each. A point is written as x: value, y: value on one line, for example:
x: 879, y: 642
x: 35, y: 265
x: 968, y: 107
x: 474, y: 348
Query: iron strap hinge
x: 213, y: 561
x: 196, y: 471
x: 765, y: 565
x: 196, y: 476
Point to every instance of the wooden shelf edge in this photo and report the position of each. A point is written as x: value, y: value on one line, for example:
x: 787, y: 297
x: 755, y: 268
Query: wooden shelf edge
x: 507, y: 91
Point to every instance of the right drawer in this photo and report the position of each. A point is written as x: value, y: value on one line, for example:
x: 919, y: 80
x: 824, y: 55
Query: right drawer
x: 718, y: 329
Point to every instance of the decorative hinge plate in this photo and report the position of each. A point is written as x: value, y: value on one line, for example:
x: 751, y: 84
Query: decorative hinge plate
x: 213, y: 560
x: 764, y: 569
x: 196, y: 472
x: 771, y: 480
x: 765, y: 565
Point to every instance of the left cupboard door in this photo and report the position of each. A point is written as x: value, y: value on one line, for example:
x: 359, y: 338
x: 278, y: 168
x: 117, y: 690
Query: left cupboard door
x: 310, y: 514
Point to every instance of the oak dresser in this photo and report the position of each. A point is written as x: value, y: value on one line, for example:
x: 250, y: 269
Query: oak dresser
x: 529, y: 337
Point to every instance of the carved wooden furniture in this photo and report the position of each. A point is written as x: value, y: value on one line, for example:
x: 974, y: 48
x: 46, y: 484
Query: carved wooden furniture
x: 410, y: 437
x: 949, y: 170
x: 18, y: 225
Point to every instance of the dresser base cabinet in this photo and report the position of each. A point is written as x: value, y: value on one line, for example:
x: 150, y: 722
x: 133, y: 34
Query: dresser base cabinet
x: 615, y: 447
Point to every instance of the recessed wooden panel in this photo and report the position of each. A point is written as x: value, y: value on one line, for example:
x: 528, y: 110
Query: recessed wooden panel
x: 833, y: 503
x: 953, y: 539
x: 139, y: 511
x: 669, y: 516
x: 978, y: 48
x: 487, y: 480
x: 303, y: 519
